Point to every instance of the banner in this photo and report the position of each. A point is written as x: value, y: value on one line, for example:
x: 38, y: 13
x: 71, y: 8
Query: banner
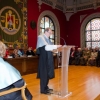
x: 13, y: 22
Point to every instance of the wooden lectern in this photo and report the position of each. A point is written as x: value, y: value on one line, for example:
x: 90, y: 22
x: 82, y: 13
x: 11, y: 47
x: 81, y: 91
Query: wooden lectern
x: 64, y: 62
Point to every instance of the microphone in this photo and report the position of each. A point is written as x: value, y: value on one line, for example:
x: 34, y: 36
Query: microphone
x: 63, y: 40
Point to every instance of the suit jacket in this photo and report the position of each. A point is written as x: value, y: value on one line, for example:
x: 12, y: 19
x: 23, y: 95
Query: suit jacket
x: 98, y: 54
x: 72, y: 53
x: 78, y: 54
x: 30, y: 53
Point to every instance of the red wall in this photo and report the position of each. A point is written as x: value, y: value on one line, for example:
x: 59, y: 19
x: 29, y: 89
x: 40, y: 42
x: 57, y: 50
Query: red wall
x: 33, y: 14
x: 69, y: 28
x: 74, y: 26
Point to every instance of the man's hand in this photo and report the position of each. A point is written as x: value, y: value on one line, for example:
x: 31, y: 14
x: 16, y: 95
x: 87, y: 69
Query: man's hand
x: 58, y: 46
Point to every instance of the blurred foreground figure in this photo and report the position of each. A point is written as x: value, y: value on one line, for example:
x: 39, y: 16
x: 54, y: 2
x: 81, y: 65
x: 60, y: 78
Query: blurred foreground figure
x: 10, y: 78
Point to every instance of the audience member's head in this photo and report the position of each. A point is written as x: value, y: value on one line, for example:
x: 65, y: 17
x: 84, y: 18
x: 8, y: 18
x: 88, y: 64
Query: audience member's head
x: 79, y: 49
x: 73, y: 48
x: 2, y: 49
x: 29, y: 48
x: 17, y: 47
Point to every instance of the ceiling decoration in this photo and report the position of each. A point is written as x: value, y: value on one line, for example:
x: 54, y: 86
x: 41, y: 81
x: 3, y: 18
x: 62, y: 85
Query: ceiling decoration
x: 71, y: 5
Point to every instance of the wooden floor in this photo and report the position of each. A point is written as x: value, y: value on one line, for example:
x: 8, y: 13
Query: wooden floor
x: 83, y: 82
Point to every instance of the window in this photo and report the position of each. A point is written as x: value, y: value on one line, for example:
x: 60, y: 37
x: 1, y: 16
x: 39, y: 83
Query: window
x: 93, y: 33
x: 45, y: 22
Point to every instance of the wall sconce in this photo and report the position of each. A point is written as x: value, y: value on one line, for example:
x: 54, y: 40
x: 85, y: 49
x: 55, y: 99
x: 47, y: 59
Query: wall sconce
x: 33, y: 24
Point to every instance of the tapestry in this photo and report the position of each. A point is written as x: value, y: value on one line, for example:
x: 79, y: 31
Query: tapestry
x: 13, y: 22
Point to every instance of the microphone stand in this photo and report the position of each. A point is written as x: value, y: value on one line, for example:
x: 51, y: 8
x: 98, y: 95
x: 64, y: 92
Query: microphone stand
x: 63, y: 40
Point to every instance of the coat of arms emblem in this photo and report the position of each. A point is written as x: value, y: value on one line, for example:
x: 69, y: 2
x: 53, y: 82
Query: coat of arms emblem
x: 10, y: 20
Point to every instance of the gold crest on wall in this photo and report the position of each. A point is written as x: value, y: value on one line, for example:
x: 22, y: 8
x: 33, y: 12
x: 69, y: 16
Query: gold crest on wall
x: 13, y: 22
x: 10, y: 20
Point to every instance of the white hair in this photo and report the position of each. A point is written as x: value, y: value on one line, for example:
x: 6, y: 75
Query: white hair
x: 2, y: 49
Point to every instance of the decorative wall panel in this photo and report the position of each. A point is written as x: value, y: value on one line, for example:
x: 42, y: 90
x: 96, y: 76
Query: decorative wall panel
x: 13, y: 22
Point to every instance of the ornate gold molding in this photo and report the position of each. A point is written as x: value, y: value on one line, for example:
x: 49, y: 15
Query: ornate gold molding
x: 62, y: 6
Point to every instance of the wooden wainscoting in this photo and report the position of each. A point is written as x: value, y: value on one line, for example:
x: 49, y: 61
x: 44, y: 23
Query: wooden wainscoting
x: 27, y: 65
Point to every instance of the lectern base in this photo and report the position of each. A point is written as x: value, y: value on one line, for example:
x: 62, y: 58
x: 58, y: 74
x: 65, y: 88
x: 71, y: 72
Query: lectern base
x: 62, y: 95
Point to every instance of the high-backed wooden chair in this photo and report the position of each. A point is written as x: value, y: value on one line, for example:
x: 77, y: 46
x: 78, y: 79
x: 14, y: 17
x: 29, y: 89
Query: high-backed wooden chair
x: 15, y: 89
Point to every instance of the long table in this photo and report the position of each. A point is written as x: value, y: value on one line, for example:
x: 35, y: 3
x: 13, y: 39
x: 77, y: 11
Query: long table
x: 27, y: 65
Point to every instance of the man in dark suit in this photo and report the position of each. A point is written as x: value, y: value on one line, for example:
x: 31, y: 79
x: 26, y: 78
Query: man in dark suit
x: 30, y: 52
x: 72, y: 56
x: 78, y: 56
x: 98, y: 59
x: 46, y: 65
